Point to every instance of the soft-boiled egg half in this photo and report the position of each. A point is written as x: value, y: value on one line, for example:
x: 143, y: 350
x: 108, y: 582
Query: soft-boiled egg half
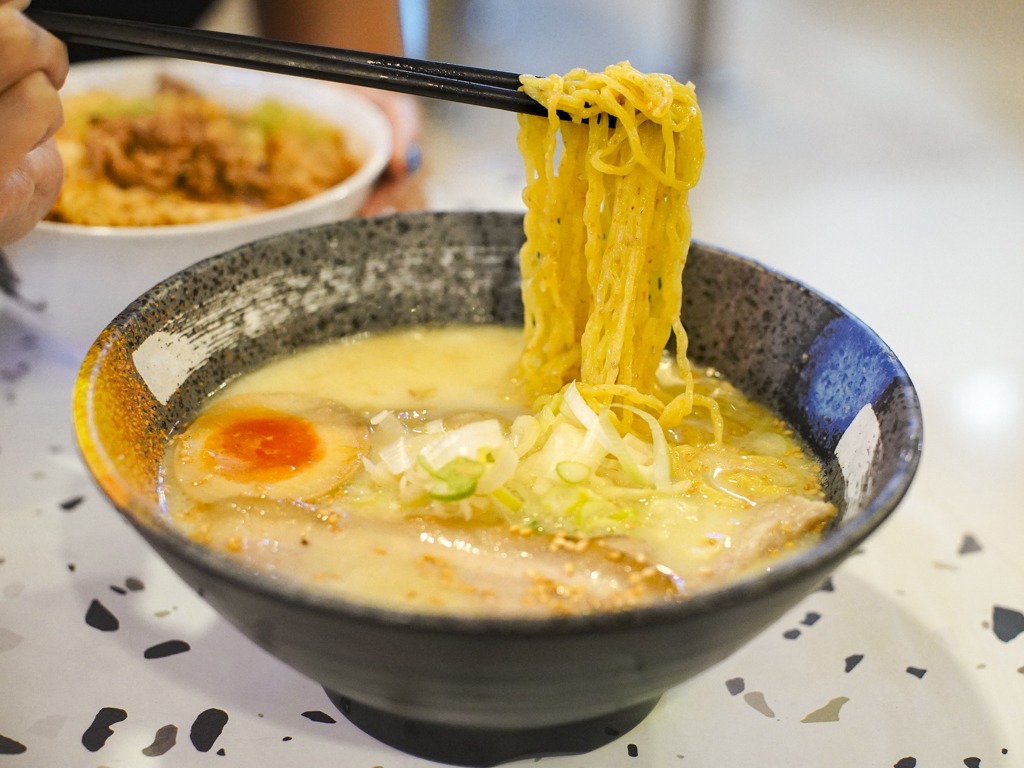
x: 276, y: 446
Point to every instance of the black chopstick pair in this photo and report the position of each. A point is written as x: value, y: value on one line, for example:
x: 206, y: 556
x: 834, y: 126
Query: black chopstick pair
x: 452, y: 82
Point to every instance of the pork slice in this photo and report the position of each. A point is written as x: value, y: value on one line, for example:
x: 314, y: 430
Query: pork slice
x: 432, y: 564
x: 775, y: 525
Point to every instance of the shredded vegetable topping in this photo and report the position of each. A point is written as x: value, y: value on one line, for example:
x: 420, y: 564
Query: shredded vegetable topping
x: 565, y: 468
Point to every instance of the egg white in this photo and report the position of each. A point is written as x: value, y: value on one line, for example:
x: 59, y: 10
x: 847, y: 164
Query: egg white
x: 343, y: 441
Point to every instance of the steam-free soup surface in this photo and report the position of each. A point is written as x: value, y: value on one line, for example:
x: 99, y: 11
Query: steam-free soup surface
x: 407, y: 471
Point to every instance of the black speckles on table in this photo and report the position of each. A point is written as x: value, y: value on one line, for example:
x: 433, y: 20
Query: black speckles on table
x: 735, y: 685
x: 207, y: 728
x: 905, y: 762
x: 99, y: 617
x: 809, y: 620
x: 134, y: 584
x: 972, y: 762
x: 853, y: 661
x: 96, y: 735
x: 165, y: 738
x: 168, y: 648
x: 631, y: 750
x: 119, y: 590
x: 221, y: 752
x: 69, y: 504
x: 9, y: 746
x: 969, y: 545
x: 318, y: 717
x: 1007, y: 623
x: 916, y: 672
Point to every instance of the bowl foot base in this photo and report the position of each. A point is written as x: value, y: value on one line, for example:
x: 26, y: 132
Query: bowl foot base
x: 458, y: 745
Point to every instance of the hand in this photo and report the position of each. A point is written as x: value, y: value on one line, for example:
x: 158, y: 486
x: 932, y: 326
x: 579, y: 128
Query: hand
x: 399, y: 188
x: 33, y: 67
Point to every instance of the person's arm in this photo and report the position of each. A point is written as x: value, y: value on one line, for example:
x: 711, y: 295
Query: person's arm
x: 33, y: 65
x: 361, y: 25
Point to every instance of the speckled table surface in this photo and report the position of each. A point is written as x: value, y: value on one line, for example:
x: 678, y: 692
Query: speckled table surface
x: 886, y: 175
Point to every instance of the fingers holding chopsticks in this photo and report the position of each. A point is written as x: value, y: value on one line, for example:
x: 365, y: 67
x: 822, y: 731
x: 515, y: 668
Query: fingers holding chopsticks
x: 28, y: 47
x: 33, y: 66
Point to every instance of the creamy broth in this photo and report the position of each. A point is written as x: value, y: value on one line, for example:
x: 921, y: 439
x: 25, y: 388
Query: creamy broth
x: 407, y: 470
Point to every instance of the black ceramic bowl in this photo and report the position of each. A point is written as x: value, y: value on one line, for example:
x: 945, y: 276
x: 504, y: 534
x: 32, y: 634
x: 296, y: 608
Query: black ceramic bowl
x: 485, y: 690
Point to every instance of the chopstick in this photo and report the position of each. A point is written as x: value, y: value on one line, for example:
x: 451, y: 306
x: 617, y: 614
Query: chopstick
x: 451, y: 82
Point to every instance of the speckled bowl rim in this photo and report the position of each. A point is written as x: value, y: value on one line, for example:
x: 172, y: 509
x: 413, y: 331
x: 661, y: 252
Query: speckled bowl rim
x: 821, y: 557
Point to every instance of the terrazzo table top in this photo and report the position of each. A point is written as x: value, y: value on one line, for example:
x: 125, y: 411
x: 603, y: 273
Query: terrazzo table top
x: 911, y: 654
x: 876, y: 155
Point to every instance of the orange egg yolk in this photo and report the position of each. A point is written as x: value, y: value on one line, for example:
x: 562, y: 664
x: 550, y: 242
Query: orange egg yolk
x: 261, y: 447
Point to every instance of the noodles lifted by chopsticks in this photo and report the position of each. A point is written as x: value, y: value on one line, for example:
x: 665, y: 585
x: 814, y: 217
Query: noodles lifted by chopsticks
x: 607, y: 236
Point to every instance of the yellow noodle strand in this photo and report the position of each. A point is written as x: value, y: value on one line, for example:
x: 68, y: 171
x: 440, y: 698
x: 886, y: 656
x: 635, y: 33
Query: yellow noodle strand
x: 607, y: 233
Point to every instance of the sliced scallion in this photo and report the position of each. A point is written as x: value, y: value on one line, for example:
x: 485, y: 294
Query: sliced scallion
x: 506, y: 498
x: 572, y: 472
x: 455, y: 481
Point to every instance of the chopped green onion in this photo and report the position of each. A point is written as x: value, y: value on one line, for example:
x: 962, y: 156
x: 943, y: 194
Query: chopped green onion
x: 506, y: 498
x: 562, y: 500
x: 439, y: 491
x: 619, y: 448
x: 585, y: 414
x: 595, y: 509
x: 572, y: 472
x: 466, y: 442
x: 526, y: 431
x: 457, y: 479
x: 661, y: 468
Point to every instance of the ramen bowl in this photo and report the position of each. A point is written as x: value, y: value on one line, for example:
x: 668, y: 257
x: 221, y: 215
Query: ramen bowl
x: 484, y: 690
x: 73, y: 278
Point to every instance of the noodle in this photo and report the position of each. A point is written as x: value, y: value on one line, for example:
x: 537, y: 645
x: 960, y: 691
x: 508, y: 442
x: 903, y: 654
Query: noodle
x: 607, y: 236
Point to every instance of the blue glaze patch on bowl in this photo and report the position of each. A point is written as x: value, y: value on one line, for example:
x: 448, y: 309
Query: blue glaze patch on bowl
x: 844, y: 373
